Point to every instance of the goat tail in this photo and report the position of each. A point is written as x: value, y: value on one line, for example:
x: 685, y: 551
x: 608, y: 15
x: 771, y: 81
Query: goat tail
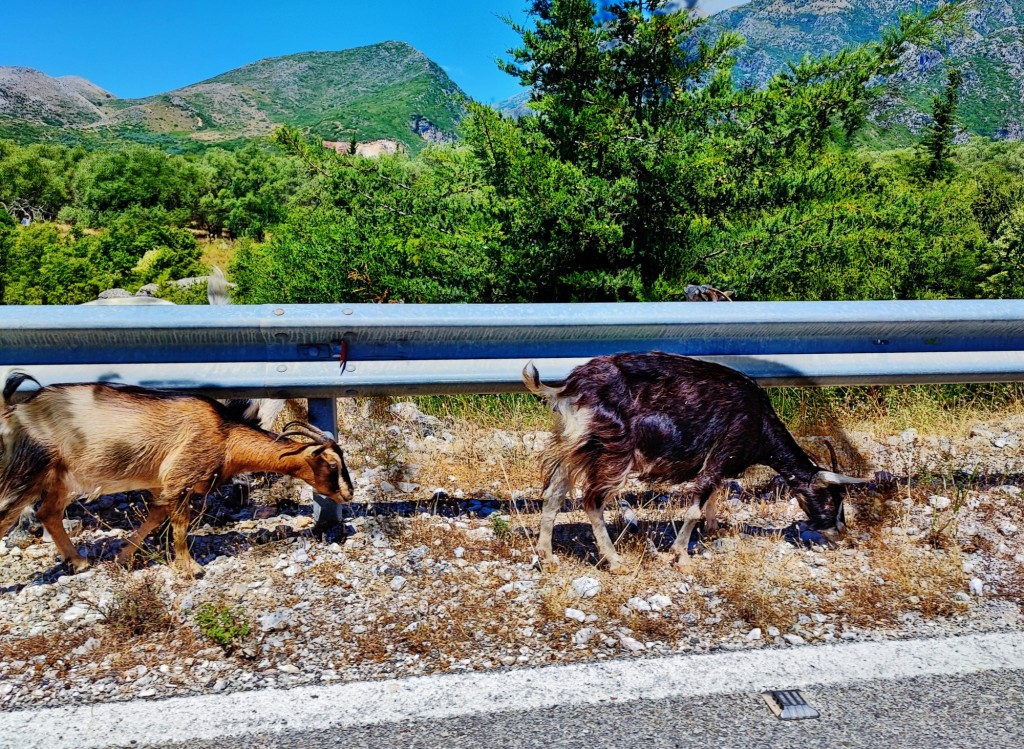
x: 13, y: 512
x: 217, y: 288
x: 12, y: 381
x: 531, y: 378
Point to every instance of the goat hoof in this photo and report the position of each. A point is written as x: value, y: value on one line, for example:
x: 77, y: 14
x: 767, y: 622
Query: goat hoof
x: 79, y: 564
x: 196, y: 572
x: 192, y: 569
x: 617, y: 568
x: 548, y: 564
x: 682, y: 563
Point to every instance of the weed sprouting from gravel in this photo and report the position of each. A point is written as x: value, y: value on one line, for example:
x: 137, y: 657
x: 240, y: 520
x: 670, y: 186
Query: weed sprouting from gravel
x: 225, y: 625
x: 136, y: 606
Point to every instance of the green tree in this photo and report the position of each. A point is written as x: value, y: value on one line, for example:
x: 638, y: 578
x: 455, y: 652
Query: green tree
x: 385, y: 229
x: 1003, y: 266
x: 108, y: 183
x: 246, y: 191
x: 35, y: 180
x: 938, y: 137
x: 643, y: 152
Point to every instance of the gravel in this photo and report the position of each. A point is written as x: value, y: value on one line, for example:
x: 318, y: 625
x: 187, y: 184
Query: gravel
x: 419, y: 586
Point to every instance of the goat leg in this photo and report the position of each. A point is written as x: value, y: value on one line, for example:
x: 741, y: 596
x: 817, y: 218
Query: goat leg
x: 157, y: 514
x: 51, y: 515
x: 705, y: 487
x: 593, y: 503
x: 555, y: 491
x: 179, y: 523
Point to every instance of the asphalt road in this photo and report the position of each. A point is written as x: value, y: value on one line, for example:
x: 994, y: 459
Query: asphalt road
x: 955, y: 692
x: 984, y: 710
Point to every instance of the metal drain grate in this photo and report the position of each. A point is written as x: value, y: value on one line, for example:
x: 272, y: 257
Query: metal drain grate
x: 789, y: 704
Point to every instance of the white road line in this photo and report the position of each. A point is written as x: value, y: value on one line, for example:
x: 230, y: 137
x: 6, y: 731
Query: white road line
x: 216, y: 716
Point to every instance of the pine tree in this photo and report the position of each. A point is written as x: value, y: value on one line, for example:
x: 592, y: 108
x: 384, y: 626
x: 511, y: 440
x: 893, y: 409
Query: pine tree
x: 938, y: 138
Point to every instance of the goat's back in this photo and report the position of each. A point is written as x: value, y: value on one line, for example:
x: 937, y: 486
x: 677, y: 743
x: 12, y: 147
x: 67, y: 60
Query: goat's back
x: 684, y: 387
x: 99, y: 431
x: 666, y: 410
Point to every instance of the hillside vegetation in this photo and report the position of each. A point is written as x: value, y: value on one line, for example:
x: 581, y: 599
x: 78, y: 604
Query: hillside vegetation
x: 643, y: 172
x: 991, y: 53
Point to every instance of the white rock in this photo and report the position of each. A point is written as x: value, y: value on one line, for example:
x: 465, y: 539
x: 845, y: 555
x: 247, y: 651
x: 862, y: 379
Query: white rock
x: 977, y: 586
x: 754, y: 634
x: 630, y: 644
x: 480, y: 534
x: 387, y: 487
x: 1013, y: 491
x: 275, y: 621
x: 288, y: 668
x: 586, y: 587
x: 584, y: 636
x: 793, y: 639
x: 1007, y: 528
x: 773, y: 632
x: 908, y: 435
x: 398, y: 583
x: 300, y: 556
x: 406, y: 487
x: 74, y: 613
x: 459, y: 552
x: 576, y: 615
x: 86, y: 647
x: 659, y: 602
x: 939, y: 502
x: 638, y: 604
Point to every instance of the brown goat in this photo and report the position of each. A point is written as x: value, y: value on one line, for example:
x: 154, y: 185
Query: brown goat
x: 64, y: 441
x: 669, y: 418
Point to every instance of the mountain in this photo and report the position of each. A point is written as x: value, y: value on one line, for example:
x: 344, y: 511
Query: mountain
x: 381, y: 91
x: 991, y: 54
x: 36, y: 97
x: 515, y: 106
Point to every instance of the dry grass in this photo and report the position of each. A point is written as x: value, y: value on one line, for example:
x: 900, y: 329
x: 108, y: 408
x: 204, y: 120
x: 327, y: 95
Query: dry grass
x: 941, y: 410
x: 136, y: 606
x: 904, y: 576
x: 217, y: 252
x: 762, y: 585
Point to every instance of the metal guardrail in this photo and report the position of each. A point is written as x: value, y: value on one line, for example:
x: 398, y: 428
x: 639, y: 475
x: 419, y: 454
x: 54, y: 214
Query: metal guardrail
x: 326, y: 351
x: 322, y: 352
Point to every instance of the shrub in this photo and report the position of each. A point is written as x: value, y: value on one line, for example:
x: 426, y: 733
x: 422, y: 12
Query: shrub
x: 225, y: 625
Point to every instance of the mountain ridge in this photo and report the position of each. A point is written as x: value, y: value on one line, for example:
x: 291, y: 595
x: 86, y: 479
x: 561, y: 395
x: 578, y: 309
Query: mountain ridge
x: 991, y: 54
x: 385, y: 90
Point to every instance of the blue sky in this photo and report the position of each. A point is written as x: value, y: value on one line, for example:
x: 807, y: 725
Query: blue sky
x: 137, y: 48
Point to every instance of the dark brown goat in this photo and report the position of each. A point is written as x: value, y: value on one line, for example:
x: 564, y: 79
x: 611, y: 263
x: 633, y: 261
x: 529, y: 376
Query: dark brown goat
x: 669, y: 418
x: 64, y: 441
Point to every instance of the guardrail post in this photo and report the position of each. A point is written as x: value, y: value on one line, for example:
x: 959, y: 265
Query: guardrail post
x: 323, y: 414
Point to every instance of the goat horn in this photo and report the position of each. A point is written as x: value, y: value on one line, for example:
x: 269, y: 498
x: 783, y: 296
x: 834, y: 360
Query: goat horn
x: 832, y: 452
x: 831, y: 477
x: 308, y: 430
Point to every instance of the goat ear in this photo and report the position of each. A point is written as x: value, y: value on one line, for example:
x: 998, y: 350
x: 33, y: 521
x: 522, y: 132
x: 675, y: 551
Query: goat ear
x: 830, y: 477
x: 318, y: 451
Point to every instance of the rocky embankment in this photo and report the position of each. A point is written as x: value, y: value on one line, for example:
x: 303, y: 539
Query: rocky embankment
x: 433, y: 570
